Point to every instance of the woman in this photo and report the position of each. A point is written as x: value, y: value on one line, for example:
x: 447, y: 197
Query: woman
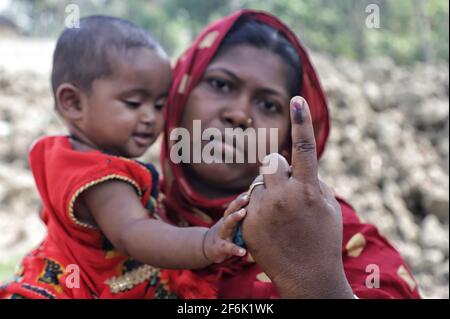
x: 241, y: 72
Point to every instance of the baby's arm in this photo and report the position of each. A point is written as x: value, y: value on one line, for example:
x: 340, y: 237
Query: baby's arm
x: 225, y: 228
x: 120, y: 215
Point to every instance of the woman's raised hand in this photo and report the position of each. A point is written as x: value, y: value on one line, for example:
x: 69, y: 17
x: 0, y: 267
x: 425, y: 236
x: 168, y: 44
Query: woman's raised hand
x: 293, y: 227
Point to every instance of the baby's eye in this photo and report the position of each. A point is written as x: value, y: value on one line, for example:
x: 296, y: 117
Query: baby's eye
x: 220, y: 85
x: 132, y: 104
x: 159, y: 105
x: 268, y: 106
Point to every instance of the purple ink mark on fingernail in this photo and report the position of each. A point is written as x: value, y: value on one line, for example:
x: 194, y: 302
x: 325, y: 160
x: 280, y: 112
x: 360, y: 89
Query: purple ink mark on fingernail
x: 298, y: 108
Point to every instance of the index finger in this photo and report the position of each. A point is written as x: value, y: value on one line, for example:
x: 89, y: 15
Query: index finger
x: 304, y: 154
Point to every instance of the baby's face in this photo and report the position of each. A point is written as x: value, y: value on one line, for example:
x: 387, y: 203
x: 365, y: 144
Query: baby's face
x: 124, y: 111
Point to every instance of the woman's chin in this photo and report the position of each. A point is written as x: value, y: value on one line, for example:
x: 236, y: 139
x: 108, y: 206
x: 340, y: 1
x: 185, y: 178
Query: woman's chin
x: 224, y: 176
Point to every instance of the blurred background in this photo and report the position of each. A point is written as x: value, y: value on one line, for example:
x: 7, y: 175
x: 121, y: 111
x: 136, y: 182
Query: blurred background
x: 383, y: 65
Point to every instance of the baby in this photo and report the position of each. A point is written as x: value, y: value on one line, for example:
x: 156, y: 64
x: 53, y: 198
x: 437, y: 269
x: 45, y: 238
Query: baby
x: 110, y: 81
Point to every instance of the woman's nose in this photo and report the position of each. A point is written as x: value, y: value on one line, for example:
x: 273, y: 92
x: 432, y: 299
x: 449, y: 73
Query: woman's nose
x: 237, y: 116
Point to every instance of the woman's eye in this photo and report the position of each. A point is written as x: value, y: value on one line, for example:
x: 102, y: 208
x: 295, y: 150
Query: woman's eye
x: 132, y: 104
x: 268, y: 106
x: 220, y: 85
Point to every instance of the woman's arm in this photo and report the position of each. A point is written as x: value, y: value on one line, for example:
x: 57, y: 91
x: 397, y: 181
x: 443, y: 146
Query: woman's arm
x: 294, y: 231
x: 293, y: 227
x: 120, y: 215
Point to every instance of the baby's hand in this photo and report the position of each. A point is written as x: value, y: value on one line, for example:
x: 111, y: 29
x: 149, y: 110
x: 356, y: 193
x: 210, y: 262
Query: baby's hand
x: 218, y: 243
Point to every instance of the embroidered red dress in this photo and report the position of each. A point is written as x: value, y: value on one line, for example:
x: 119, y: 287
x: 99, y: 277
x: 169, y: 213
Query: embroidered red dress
x: 75, y: 260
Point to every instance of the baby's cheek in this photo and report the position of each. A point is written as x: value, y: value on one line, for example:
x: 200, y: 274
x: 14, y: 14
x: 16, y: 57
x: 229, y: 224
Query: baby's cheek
x: 160, y: 126
x: 159, y: 119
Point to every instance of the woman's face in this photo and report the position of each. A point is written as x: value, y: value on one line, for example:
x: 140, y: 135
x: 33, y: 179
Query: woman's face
x: 242, y: 83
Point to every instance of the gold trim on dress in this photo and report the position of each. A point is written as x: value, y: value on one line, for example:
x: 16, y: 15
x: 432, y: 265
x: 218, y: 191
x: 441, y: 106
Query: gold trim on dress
x: 130, y: 279
x: 93, y: 183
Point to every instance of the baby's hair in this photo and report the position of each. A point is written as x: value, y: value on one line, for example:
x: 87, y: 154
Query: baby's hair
x: 84, y: 54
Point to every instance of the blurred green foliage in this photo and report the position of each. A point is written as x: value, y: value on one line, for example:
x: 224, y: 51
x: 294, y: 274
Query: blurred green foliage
x: 410, y: 30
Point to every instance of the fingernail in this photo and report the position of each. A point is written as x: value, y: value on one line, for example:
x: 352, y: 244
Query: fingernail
x: 242, y: 252
x: 297, y: 107
x: 242, y: 212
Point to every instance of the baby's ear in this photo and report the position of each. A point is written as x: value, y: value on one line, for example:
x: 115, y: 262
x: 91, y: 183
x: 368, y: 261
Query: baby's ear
x: 68, y: 101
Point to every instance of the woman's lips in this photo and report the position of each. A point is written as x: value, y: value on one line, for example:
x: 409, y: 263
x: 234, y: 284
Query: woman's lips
x: 232, y: 147
x: 228, y: 150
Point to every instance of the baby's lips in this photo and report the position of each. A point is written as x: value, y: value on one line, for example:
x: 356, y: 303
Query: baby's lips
x: 144, y: 134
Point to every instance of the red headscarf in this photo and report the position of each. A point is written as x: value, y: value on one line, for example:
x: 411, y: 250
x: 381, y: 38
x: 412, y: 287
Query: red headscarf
x: 181, y: 198
x: 240, y: 278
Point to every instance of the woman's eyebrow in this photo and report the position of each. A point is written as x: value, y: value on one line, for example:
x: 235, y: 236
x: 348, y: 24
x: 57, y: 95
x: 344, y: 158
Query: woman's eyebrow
x: 273, y: 92
x: 236, y: 78
x: 226, y: 71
